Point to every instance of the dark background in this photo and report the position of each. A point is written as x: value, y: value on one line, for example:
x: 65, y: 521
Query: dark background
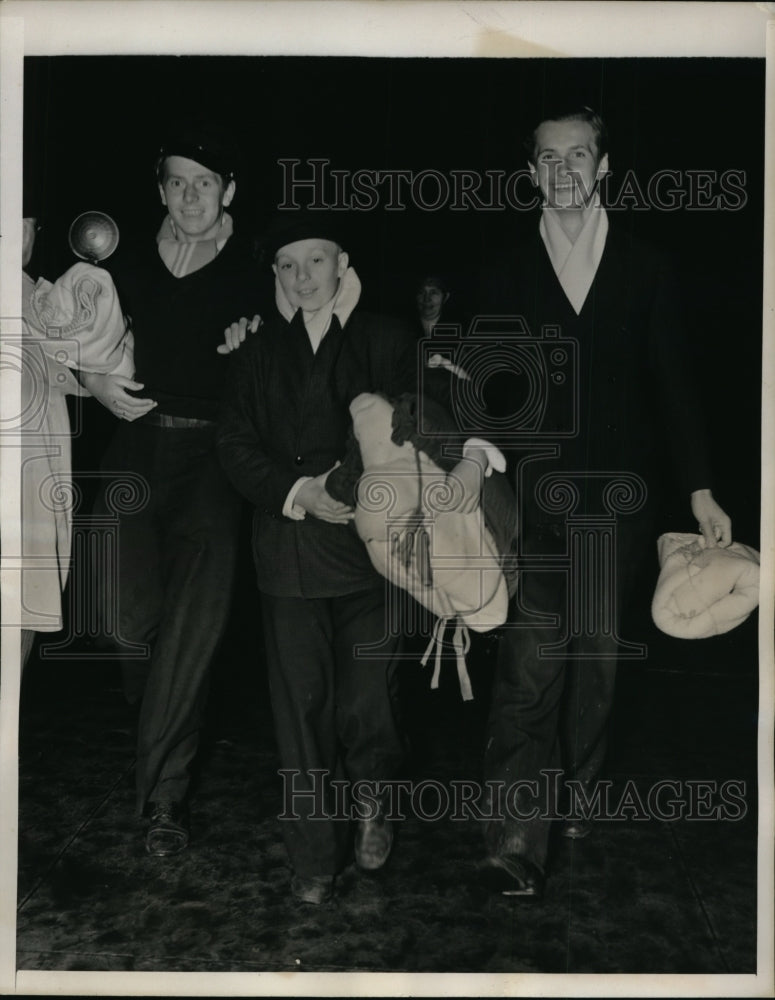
x: 92, y: 130
x: 93, y: 126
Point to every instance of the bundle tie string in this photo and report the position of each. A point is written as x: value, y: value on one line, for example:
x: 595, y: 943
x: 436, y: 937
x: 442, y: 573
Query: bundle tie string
x: 461, y: 643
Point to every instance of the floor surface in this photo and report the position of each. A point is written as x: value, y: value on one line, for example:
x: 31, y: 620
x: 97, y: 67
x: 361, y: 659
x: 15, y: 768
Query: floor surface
x: 639, y: 895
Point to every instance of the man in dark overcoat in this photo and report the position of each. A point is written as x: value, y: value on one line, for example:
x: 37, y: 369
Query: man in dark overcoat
x: 613, y: 408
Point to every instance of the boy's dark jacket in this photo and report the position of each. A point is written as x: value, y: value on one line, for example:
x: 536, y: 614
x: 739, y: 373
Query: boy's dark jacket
x: 286, y: 415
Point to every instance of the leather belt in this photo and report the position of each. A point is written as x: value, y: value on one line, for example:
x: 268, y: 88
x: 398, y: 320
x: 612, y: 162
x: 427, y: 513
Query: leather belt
x: 166, y: 420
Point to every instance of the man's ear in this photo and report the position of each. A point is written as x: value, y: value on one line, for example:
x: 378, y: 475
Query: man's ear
x: 602, y: 167
x: 162, y: 195
x: 342, y: 263
x: 274, y: 269
x: 229, y: 193
x: 446, y: 296
x: 533, y: 173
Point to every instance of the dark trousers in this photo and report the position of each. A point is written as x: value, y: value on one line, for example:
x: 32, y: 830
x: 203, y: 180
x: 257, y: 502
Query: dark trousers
x: 550, y: 710
x: 335, y: 713
x: 175, y: 568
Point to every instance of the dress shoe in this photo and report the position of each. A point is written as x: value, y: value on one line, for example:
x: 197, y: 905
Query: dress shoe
x: 168, y: 830
x: 576, y: 829
x: 373, y: 841
x: 512, y: 876
x: 315, y: 889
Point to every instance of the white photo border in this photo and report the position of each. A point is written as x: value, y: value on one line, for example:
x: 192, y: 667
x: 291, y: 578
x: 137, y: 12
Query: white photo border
x: 371, y: 28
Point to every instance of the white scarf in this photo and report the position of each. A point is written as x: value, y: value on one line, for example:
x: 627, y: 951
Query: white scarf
x: 318, y: 322
x: 184, y: 258
x: 575, y: 264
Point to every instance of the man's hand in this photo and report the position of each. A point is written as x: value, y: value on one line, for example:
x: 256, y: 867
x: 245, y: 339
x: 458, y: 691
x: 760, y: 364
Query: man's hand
x: 466, y: 481
x: 479, y: 460
x: 715, y: 525
x: 111, y: 391
x: 235, y: 334
x: 313, y: 497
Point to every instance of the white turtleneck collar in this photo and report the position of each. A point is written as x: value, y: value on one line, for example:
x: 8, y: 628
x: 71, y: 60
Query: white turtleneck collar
x: 575, y: 263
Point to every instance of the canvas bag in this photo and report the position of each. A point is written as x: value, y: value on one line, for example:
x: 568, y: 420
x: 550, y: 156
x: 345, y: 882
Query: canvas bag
x: 405, y: 515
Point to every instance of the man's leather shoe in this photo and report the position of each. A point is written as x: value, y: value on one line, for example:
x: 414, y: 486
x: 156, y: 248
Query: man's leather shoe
x: 576, y: 829
x: 512, y: 875
x: 168, y: 830
x: 373, y: 842
x: 315, y: 889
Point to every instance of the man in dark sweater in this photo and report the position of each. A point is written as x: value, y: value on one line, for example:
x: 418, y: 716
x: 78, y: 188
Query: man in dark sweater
x: 588, y: 473
x: 177, y: 543
x: 331, y: 657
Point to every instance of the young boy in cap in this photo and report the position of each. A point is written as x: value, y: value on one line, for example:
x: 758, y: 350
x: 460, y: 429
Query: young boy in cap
x: 331, y: 659
x: 177, y: 549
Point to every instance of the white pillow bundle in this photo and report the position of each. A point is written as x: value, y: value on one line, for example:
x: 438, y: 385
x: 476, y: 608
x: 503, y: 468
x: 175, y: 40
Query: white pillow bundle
x: 703, y: 591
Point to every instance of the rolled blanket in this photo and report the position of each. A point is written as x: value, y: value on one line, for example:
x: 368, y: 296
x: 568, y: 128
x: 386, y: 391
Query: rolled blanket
x: 82, y: 307
x: 703, y: 591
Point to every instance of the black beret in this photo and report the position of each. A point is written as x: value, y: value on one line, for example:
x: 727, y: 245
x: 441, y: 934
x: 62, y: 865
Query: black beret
x: 211, y: 149
x: 290, y: 227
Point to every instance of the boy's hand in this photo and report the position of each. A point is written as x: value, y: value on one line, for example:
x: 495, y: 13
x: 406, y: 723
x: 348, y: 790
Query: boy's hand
x: 235, y: 334
x: 313, y: 497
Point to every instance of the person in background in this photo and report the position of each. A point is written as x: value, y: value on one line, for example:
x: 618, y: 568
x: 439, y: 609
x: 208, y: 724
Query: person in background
x: 431, y: 297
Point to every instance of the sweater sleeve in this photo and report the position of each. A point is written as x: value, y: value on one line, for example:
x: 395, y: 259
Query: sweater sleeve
x: 397, y: 371
x: 679, y: 397
x: 242, y: 446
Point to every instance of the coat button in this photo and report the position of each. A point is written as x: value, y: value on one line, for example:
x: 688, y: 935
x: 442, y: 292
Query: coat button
x: 299, y: 460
